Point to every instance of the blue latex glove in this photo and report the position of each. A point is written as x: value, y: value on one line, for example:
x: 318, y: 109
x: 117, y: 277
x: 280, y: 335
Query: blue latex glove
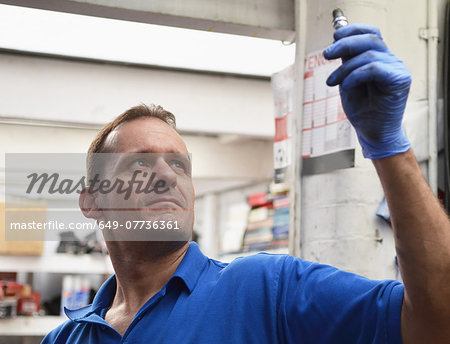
x: 374, y: 87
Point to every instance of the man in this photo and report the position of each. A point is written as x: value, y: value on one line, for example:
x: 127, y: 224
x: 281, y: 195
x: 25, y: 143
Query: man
x: 168, y: 292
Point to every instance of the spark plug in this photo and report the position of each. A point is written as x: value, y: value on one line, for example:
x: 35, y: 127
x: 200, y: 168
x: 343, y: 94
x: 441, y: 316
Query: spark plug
x: 339, y: 20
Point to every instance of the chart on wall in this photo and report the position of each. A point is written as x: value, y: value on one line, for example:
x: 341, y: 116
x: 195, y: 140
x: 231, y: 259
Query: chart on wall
x: 328, y: 139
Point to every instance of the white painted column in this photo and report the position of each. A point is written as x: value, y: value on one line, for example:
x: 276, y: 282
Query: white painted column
x: 295, y: 212
x: 208, y: 226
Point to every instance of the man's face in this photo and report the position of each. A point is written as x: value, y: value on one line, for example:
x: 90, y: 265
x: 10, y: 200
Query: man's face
x: 152, y: 160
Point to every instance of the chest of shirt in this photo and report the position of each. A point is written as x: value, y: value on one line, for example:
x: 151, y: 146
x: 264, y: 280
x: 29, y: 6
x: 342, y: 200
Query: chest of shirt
x: 211, y: 313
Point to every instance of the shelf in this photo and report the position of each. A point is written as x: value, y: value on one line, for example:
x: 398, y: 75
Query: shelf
x: 57, y: 263
x: 29, y: 326
x: 226, y: 258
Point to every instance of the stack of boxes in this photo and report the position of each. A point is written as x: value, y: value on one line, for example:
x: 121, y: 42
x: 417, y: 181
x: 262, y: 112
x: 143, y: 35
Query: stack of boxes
x: 281, y: 204
x: 258, y: 235
x: 268, y: 220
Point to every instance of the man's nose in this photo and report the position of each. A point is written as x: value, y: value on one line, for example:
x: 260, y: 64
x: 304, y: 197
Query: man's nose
x: 164, y: 172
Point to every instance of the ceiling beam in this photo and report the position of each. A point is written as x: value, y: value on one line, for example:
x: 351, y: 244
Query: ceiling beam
x: 256, y: 18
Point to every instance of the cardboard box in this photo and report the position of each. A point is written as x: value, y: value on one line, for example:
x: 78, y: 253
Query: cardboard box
x: 28, y: 211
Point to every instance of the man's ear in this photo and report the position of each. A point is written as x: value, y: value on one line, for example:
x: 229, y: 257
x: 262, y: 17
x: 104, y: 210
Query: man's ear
x: 88, y: 205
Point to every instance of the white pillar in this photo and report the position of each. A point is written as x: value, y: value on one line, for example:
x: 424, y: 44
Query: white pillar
x: 207, y: 228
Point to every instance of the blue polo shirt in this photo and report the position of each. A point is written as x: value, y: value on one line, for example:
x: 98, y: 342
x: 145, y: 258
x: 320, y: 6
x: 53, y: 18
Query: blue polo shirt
x: 258, y: 299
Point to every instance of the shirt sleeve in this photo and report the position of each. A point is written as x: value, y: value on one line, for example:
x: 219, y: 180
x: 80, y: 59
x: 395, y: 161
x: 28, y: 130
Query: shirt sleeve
x: 59, y: 335
x: 321, y: 304
x: 50, y: 338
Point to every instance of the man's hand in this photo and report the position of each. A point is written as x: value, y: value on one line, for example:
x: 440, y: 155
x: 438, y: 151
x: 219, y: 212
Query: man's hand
x: 374, y: 87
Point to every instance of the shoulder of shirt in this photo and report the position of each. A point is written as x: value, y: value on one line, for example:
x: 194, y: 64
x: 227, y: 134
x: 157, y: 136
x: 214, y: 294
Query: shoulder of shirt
x: 58, y: 334
x: 258, y: 262
x: 269, y: 263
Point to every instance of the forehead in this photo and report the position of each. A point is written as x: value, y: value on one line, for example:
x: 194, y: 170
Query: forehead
x: 150, y: 135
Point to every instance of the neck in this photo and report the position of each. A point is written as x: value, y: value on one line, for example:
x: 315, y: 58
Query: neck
x: 142, y: 269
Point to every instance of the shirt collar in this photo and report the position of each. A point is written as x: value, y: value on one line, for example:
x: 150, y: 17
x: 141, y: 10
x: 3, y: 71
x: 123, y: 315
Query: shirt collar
x: 191, y: 267
x: 102, y: 300
x: 189, y: 271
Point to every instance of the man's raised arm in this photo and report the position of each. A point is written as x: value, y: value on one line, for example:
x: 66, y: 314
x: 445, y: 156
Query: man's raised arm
x: 374, y: 86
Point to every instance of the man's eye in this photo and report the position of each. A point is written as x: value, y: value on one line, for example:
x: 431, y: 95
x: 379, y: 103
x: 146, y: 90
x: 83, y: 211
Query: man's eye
x: 178, y: 165
x: 140, y: 163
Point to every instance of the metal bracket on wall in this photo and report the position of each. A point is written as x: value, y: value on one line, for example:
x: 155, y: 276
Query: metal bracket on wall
x: 429, y: 33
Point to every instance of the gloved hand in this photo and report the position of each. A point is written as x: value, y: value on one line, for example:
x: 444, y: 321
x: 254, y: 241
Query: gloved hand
x: 374, y: 87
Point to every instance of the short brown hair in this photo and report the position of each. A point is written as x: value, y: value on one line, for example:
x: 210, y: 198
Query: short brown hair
x: 156, y: 111
x: 139, y: 111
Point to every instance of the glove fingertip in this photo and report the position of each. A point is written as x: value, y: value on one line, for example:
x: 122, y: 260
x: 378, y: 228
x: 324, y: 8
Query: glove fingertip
x: 341, y: 32
x: 331, y: 81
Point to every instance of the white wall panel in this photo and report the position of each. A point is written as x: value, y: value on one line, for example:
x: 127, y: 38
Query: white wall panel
x: 52, y: 89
